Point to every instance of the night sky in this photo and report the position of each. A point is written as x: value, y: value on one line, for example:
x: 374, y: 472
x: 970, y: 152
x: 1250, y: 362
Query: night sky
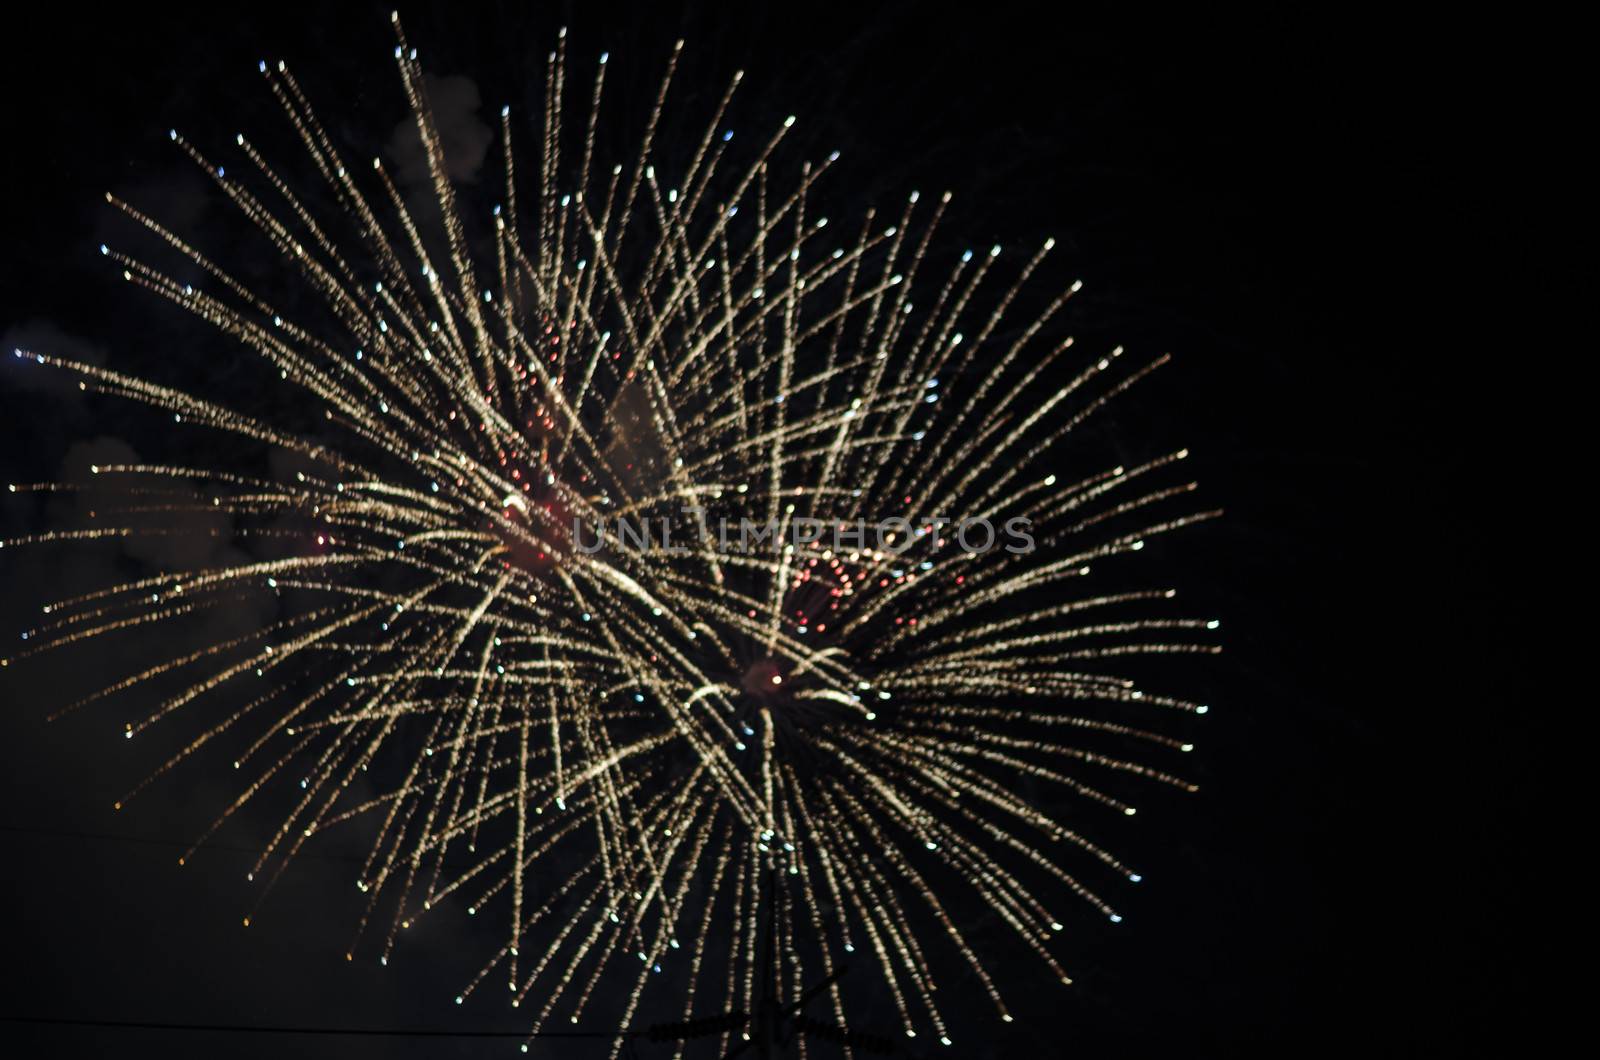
x: 1268, y: 202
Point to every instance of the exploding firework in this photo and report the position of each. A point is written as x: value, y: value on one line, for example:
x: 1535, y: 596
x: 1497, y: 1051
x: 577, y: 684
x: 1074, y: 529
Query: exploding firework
x: 844, y: 612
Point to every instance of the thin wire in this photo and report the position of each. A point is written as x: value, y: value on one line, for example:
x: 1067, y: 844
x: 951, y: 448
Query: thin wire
x: 63, y: 833
x: 243, y: 1028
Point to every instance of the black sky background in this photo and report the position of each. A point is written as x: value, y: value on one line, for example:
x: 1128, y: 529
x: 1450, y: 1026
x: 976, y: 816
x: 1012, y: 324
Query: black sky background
x: 1295, y: 210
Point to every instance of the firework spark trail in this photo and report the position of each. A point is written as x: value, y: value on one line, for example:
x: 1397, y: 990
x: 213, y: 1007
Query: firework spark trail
x: 664, y: 730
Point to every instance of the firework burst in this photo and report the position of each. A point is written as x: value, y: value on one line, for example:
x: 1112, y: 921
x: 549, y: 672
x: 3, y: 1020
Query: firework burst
x: 636, y: 751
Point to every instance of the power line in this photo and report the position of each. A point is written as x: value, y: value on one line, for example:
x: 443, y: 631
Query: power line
x: 248, y: 1028
x: 63, y: 833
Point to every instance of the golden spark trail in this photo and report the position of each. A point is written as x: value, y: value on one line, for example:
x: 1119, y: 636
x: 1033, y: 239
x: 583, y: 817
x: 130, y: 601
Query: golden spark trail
x: 628, y: 753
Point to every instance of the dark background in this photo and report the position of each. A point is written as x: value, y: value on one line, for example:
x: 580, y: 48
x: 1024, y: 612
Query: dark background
x: 1302, y: 212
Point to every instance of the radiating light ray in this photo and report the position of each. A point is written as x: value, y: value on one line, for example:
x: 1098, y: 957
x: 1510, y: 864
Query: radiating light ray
x: 623, y: 753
